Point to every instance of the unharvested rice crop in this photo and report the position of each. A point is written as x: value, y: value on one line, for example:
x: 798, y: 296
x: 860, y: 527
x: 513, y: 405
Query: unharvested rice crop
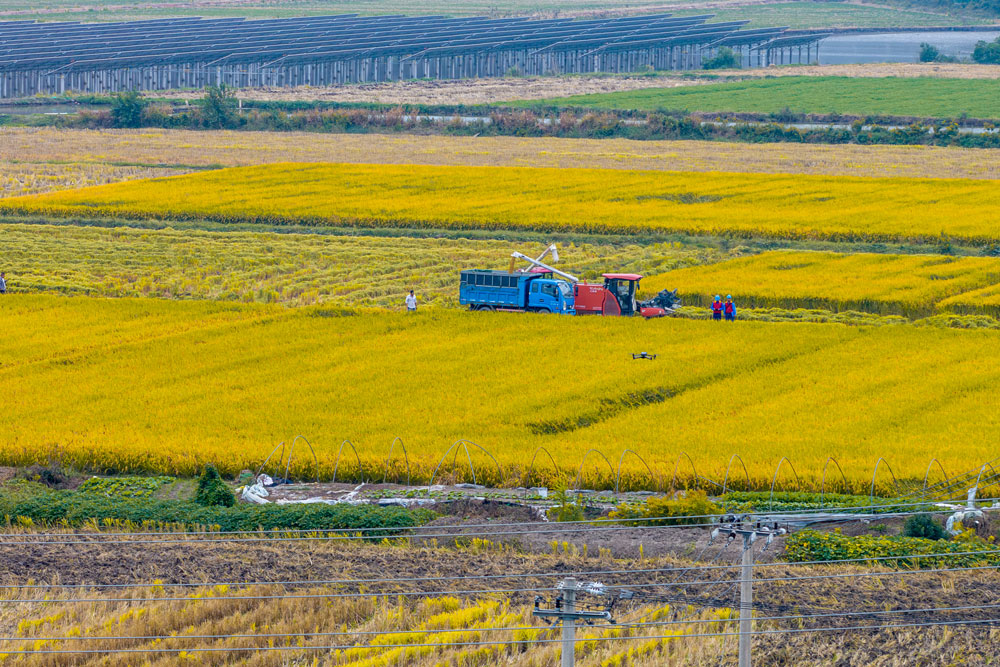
x: 295, y: 269
x: 599, y: 201
x: 913, y: 285
x: 150, y: 385
x: 188, y: 149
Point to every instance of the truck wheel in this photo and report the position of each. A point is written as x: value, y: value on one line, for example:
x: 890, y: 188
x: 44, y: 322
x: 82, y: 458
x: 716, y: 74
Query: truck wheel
x: 485, y: 308
x: 539, y: 310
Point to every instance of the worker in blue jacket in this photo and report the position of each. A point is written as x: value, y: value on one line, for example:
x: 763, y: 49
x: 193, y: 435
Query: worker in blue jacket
x: 717, y: 308
x: 729, y: 309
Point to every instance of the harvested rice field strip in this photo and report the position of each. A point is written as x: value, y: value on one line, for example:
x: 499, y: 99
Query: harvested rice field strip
x: 192, y: 369
x: 592, y: 201
x: 912, y: 285
x: 18, y: 179
x: 185, y: 149
x: 294, y: 269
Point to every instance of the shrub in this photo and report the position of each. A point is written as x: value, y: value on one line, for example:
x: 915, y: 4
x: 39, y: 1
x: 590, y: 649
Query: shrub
x: 218, y: 107
x: 127, y: 108
x: 929, y: 53
x: 212, y: 490
x: 77, y: 508
x: 690, y: 508
x: 987, y: 53
x: 565, y: 509
x: 810, y: 545
x: 924, y: 525
x: 725, y: 58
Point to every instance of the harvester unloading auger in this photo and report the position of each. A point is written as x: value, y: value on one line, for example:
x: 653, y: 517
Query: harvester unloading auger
x: 535, y: 289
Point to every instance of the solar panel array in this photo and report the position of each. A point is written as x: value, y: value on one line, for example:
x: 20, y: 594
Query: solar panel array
x: 182, y: 52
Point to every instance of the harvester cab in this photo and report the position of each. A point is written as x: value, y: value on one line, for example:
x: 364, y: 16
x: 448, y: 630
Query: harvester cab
x: 615, y: 297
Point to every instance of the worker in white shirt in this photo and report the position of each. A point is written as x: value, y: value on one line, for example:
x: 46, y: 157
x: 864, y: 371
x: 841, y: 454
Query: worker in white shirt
x: 411, y: 303
x: 3, y: 283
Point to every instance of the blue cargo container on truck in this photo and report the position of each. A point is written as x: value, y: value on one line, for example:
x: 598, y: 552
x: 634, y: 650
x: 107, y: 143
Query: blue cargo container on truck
x: 532, y: 291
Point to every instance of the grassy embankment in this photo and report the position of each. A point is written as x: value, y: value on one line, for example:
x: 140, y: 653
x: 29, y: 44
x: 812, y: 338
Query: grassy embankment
x: 921, y: 97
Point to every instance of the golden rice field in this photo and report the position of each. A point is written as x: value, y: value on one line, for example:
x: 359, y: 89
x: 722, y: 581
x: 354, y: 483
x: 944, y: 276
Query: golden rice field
x: 295, y: 269
x: 913, y: 285
x: 583, y: 200
x: 156, y: 385
x: 52, y: 149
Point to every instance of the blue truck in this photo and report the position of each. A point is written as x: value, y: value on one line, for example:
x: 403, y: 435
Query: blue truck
x: 533, y: 291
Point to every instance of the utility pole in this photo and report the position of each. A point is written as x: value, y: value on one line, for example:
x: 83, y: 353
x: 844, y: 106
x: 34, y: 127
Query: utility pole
x: 566, y: 613
x: 569, y: 622
x: 749, y: 530
x: 746, y: 600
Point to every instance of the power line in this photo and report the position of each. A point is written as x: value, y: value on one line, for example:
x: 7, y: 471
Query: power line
x: 490, y: 591
x: 522, y: 575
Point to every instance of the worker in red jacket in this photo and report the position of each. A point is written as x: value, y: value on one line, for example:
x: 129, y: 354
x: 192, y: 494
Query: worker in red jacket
x: 717, y: 308
x: 729, y: 309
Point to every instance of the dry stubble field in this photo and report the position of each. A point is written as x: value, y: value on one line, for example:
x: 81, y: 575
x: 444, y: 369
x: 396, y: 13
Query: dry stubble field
x: 34, y: 160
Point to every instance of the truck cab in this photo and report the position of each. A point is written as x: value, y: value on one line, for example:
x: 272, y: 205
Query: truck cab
x: 554, y: 296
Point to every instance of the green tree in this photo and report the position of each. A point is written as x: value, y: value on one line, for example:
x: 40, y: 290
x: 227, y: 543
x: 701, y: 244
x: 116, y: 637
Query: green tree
x: 218, y: 107
x: 929, y: 53
x: 725, y: 58
x: 127, y: 108
x: 987, y: 53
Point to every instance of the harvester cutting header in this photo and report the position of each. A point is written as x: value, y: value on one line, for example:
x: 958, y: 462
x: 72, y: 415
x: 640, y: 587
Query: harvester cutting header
x: 535, y: 289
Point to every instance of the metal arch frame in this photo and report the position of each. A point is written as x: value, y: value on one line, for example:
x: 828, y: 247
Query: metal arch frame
x: 927, y: 474
x: 775, y: 479
x: 621, y: 460
x: 871, y: 494
x: 677, y: 463
x: 725, y: 480
x: 336, y: 466
x: 280, y: 457
x: 579, y: 471
x: 531, y: 466
x: 465, y: 443
x: 388, y: 458
x: 291, y: 451
x: 822, y: 488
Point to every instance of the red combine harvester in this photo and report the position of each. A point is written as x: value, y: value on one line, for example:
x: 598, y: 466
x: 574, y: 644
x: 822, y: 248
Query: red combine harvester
x: 617, y: 297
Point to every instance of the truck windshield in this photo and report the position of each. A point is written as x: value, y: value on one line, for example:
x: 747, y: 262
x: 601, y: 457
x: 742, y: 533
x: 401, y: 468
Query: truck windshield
x: 566, y: 290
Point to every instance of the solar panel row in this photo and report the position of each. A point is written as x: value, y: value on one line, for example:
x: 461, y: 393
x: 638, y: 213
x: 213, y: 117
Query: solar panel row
x: 194, y: 52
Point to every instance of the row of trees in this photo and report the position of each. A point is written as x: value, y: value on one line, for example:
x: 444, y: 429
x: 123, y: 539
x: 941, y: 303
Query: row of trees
x: 217, y: 110
x: 984, y: 53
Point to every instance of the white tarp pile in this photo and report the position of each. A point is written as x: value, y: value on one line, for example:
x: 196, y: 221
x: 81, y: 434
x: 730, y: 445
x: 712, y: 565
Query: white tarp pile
x: 257, y: 493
